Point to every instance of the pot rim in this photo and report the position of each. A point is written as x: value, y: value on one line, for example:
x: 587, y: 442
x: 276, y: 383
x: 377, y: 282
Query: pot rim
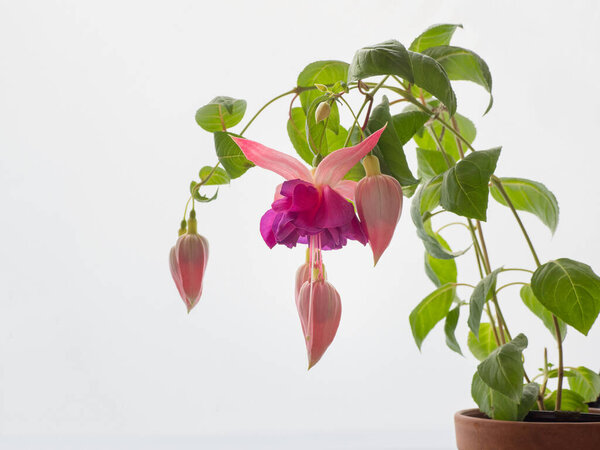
x: 469, y: 416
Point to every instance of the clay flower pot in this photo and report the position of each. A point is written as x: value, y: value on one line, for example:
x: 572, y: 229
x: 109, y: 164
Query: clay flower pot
x: 474, y: 431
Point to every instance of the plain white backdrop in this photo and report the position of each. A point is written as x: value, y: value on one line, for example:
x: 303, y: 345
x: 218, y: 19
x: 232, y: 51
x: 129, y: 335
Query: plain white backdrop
x: 98, y: 144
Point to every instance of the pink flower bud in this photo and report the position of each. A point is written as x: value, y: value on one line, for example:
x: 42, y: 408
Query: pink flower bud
x: 320, y: 310
x: 302, y: 276
x: 188, y: 260
x: 379, y: 204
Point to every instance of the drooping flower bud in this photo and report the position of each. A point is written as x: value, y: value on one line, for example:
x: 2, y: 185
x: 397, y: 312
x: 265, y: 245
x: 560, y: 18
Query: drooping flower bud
x: 187, y: 261
x: 302, y: 276
x: 379, y: 204
x: 320, y: 310
x: 322, y: 112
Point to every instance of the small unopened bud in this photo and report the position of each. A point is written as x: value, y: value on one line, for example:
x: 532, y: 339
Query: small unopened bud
x: 321, y: 87
x: 183, y: 227
x: 322, y: 112
x: 362, y: 86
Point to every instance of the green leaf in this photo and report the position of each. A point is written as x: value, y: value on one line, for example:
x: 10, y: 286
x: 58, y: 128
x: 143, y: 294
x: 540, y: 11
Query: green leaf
x: 430, y: 311
x: 528, y: 399
x: 440, y: 271
x: 231, y: 157
x: 407, y: 123
x: 570, y: 290
x: 570, y: 401
x: 431, y: 195
x: 433, y: 36
x: 431, y: 76
x: 201, y: 198
x: 491, y: 402
x: 221, y: 112
x: 336, y: 141
x: 465, y: 188
x: 467, y: 129
x: 219, y: 176
x: 539, y: 310
x: 325, y: 73
x: 586, y: 383
x: 431, y: 163
x: 391, y: 154
x: 316, y: 135
x: 502, y: 370
x: 462, y: 64
x: 388, y: 58
x: 478, y: 298
x: 530, y: 196
x: 450, y: 329
x: 426, y: 195
x: 482, y: 346
x: 296, y: 128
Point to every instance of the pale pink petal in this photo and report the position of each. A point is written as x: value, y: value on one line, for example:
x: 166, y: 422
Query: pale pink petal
x: 337, y: 164
x: 346, y: 189
x: 277, y: 195
x: 280, y: 163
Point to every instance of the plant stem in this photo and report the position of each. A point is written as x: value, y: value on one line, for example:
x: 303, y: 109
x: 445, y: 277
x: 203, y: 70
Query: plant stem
x: 291, y: 91
x: 368, y: 97
x: 560, y: 371
x: 438, y: 143
x: 510, y: 284
x: 498, y: 183
x: 560, y: 363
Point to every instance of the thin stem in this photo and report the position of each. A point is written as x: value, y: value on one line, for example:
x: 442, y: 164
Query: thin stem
x: 451, y: 224
x: 351, y: 112
x: 197, y: 187
x: 368, y: 97
x: 464, y: 284
x: 498, y: 183
x: 291, y: 91
x: 560, y: 363
x: 510, y: 284
x: 500, y: 187
x: 438, y: 143
x: 519, y: 269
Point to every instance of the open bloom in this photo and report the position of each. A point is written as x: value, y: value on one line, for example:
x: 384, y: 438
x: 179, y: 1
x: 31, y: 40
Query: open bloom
x: 379, y: 205
x: 311, y: 203
x: 187, y: 260
x: 320, y: 310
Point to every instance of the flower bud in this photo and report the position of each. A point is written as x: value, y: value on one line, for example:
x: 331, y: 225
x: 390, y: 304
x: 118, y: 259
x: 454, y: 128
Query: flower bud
x: 379, y: 204
x: 302, y: 276
x: 187, y: 261
x: 322, y: 112
x: 320, y: 310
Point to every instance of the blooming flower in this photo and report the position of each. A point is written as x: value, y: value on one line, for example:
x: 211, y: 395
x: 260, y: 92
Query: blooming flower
x: 311, y: 203
x: 187, y: 260
x: 379, y: 205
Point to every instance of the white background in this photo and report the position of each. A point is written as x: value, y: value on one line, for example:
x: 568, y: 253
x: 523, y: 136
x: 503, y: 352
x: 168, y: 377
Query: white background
x: 98, y: 144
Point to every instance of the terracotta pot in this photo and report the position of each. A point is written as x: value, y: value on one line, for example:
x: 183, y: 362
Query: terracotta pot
x: 474, y: 431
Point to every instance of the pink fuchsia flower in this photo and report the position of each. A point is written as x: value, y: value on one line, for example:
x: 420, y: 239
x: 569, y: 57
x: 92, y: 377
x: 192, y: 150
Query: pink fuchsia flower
x: 311, y: 203
x: 187, y: 260
x: 379, y: 205
x: 320, y: 310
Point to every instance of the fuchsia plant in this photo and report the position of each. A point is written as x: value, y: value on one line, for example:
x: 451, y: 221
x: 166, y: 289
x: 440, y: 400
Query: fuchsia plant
x: 354, y: 191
